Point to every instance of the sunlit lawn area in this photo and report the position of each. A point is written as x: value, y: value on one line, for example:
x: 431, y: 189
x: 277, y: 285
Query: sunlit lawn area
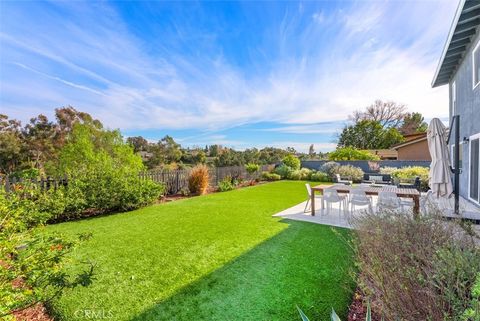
x: 215, y: 257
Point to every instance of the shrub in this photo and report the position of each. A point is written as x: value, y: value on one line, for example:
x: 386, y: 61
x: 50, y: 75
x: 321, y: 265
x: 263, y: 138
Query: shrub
x: 284, y: 171
x: 295, y: 175
x: 411, y: 172
x: 319, y: 177
x: 415, y: 269
x: 300, y: 174
x: 226, y: 184
x: 330, y: 168
x: 198, y: 179
x: 29, y: 173
x: 267, y: 176
x: 350, y: 172
x: 103, y: 174
x: 32, y: 262
x: 350, y: 153
x: 472, y: 313
x: 291, y: 161
x: 252, y: 168
x: 387, y: 170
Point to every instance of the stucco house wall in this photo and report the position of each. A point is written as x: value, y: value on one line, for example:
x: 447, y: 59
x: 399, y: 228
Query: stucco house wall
x: 468, y: 107
x: 415, y: 151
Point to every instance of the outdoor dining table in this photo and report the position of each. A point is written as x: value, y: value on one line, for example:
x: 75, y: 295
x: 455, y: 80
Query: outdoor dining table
x: 370, y: 190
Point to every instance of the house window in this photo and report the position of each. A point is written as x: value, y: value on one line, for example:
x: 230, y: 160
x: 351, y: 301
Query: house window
x: 474, y: 177
x: 452, y: 156
x: 476, y: 65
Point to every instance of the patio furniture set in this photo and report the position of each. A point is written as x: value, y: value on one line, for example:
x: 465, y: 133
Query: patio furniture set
x: 380, y: 180
x: 389, y: 197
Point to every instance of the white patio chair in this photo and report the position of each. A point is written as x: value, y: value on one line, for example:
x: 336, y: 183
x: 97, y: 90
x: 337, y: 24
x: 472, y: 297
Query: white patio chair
x: 388, y: 200
x: 339, y: 180
x: 331, y: 196
x: 358, y: 197
x: 426, y: 202
x: 309, y: 192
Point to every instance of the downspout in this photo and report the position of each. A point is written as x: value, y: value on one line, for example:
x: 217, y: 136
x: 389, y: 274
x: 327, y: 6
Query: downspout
x: 456, y: 152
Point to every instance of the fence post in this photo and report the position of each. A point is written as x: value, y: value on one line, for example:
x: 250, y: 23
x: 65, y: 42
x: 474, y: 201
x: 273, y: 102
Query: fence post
x: 177, y: 181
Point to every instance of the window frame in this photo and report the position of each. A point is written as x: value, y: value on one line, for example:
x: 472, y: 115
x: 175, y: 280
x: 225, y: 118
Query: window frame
x: 475, y: 68
x: 473, y: 137
x: 452, y: 155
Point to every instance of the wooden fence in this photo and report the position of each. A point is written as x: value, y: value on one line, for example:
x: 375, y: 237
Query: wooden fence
x: 177, y: 180
x: 174, y: 180
x: 44, y: 183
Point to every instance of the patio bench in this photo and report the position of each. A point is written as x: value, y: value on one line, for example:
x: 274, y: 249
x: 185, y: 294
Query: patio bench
x: 415, y: 184
x: 375, y: 178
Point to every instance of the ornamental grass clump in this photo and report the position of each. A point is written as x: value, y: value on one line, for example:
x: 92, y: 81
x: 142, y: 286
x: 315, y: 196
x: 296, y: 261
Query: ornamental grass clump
x: 415, y: 269
x: 198, y: 180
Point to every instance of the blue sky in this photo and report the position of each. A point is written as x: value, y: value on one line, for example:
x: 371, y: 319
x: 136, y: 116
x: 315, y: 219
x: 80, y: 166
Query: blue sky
x: 241, y: 74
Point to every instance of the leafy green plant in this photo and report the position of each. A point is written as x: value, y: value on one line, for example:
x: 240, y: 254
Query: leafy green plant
x: 267, y: 176
x: 351, y: 153
x: 226, y: 184
x: 300, y: 174
x: 408, y: 174
x: 472, y: 313
x: 351, y: 172
x: 103, y: 174
x: 291, y: 161
x: 283, y: 171
x: 29, y: 173
x: 387, y: 170
x: 252, y: 168
x: 31, y: 268
x: 330, y: 168
x: 319, y: 177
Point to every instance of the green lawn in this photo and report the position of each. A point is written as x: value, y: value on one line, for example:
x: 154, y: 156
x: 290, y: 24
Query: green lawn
x: 215, y: 257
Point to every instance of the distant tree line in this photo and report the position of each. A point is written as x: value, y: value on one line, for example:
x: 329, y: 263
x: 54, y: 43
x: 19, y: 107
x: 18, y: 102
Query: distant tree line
x: 166, y: 153
x: 37, y: 146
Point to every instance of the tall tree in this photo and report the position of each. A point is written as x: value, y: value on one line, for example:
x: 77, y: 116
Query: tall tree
x: 386, y: 113
x: 39, y: 136
x: 12, y: 145
x: 413, y: 123
x: 311, y: 151
x: 139, y: 143
x: 369, y: 134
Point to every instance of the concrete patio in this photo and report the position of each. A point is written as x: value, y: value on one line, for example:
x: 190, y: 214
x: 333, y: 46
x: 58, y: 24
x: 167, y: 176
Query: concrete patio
x: 337, y: 218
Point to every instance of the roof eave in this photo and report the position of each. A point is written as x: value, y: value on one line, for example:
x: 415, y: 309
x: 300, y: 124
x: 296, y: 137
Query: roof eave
x: 435, y: 83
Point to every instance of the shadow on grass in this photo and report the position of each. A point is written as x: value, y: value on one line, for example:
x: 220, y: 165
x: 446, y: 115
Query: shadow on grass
x: 306, y: 265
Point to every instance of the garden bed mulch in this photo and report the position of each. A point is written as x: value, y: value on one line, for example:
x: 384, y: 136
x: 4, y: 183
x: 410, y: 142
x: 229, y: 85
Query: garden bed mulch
x: 37, y: 312
x: 357, y: 311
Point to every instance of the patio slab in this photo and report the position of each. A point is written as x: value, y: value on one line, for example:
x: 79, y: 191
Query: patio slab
x: 321, y: 217
x: 333, y: 218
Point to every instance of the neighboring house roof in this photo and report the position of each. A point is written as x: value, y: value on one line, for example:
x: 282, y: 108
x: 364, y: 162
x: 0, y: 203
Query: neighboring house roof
x: 410, y: 137
x: 420, y: 137
x: 384, y: 153
x: 463, y: 29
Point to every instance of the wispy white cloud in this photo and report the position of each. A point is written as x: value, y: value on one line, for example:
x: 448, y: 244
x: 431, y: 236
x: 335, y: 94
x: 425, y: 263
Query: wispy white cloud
x: 302, y: 147
x: 326, y: 66
x: 327, y: 128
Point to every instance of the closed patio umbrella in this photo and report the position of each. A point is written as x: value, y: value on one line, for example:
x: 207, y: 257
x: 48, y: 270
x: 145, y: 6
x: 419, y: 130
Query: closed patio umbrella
x: 440, y: 180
